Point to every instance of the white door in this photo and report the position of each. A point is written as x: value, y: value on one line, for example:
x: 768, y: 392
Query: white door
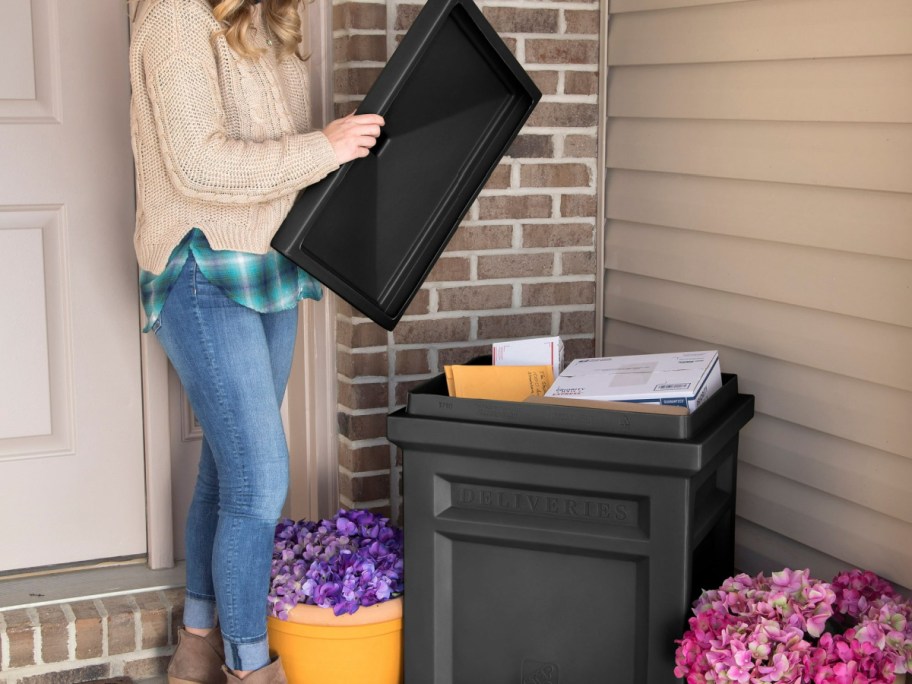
x: 71, y: 442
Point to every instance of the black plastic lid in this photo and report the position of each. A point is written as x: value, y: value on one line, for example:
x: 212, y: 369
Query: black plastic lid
x: 454, y: 98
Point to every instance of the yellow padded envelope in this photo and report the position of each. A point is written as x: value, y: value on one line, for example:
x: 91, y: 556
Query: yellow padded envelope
x: 506, y: 383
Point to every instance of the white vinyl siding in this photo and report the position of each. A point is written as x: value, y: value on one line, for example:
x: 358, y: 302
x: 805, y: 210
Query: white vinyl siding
x: 758, y: 200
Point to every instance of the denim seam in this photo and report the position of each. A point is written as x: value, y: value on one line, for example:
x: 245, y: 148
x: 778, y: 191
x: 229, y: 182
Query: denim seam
x: 233, y: 607
x: 247, y: 640
x: 198, y: 596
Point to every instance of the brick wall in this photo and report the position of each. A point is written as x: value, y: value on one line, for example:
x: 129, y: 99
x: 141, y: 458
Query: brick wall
x: 522, y: 263
x: 129, y: 636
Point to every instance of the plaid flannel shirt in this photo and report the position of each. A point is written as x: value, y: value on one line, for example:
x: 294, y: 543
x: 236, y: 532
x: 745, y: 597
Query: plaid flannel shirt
x: 266, y: 283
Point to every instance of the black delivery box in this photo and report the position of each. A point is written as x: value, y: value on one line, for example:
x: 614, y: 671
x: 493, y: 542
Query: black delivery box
x: 454, y: 98
x: 553, y: 547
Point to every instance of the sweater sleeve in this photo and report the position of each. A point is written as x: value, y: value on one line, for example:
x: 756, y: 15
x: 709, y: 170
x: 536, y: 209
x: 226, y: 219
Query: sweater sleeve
x: 202, y: 160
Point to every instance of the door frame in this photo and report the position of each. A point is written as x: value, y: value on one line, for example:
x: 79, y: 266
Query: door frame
x: 310, y: 402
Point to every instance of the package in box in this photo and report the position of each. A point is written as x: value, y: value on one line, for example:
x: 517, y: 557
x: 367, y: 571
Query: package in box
x: 546, y: 351
x: 678, y: 379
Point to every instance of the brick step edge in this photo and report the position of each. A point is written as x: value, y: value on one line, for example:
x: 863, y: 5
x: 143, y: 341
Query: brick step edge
x: 75, y: 642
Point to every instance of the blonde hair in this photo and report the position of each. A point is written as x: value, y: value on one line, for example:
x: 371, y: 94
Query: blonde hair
x: 281, y: 16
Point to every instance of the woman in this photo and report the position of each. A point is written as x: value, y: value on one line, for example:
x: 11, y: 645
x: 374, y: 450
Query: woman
x: 222, y: 144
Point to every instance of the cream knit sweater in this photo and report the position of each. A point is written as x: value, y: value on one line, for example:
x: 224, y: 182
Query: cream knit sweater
x: 220, y: 142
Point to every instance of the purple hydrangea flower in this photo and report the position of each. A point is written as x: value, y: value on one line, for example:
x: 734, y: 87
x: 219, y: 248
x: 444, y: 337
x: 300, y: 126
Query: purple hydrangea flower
x: 349, y: 561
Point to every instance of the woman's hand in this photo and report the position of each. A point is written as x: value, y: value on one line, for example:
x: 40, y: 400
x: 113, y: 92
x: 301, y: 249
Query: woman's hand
x: 352, y: 136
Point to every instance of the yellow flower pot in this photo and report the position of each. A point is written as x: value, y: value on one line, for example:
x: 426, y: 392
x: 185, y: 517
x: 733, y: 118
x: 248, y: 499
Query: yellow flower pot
x: 318, y: 647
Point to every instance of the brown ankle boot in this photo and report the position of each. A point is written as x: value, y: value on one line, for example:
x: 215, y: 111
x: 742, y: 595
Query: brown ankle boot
x: 271, y: 674
x: 198, y: 660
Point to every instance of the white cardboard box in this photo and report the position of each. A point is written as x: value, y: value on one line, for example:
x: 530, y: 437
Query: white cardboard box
x: 679, y: 379
x: 539, y: 351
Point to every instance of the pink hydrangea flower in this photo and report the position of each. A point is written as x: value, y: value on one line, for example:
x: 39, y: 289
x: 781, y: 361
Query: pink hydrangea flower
x: 757, y: 630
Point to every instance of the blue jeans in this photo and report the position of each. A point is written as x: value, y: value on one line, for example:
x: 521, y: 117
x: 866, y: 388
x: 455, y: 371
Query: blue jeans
x: 233, y: 363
